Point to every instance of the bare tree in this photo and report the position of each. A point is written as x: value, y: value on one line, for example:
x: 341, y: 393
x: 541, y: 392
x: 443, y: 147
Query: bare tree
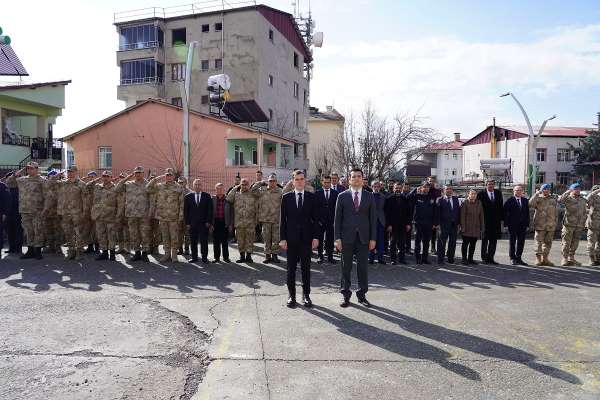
x: 323, y: 160
x: 377, y: 145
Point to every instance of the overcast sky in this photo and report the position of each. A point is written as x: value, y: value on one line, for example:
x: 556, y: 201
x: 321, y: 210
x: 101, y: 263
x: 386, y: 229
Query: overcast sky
x: 448, y: 59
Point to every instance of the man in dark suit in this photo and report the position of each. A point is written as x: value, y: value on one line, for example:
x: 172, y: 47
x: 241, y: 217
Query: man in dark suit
x: 14, y: 230
x: 516, y: 218
x: 299, y: 232
x: 335, y: 183
x: 198, y: 216
x: 355, y: 230
x: 326, y: 199
x: 398, y: 218
x: 4, y: 204
x: 380, y: 210
x: 424, y: 218
x: 493, y: 213
x: 448, y: 219
x: 222, y: 223
x: 406, y: 194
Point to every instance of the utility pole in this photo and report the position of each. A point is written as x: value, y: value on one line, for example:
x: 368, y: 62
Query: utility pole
x: 185, y: 100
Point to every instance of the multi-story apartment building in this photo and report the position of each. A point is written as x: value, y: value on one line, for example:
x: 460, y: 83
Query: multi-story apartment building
x: 260, y: 48
x: 445, y: 161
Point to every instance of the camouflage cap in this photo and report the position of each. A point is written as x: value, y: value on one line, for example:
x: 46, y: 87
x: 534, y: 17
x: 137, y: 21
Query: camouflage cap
x: 169, y: 171
x: 122, y: 175
x: 273, y: 177
x: 72, y: 168
x: 106, y: 173
x: 595, y: 187
x: 139, y: 168
x: 92, y: 173
x: 575, y: 186
x: 32, y: 164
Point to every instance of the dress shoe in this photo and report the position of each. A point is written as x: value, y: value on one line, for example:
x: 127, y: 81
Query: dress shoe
x: 330, y: 260
x: 492, y: 262
x: 249, y: 259
x: 242, y: 258
x: 307, y: 301
x: 382, y: 262
x: 364, y: 302
x: 275, y: 259
x: 28, y: 254
x: 137, y: 256
x: 291, y: 302
x: 514, y: 262
x: 522, y: 262
x: 144, y: 256
x: 267, y: 259
x: 345, y: 303
x: 102, y: 256
x: 205, y: 261
x: 227, y: 260
x: 193, y: 260
x: 320, y: 260
x: 451, y: 261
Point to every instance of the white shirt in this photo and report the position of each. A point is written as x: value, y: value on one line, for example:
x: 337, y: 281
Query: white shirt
x: 359, y: 191
x: 491, y: 195
x: 327, y: 194
x: 450, y: 201
x: 197, y: 198
x: 296, y: 194
x: 519, y: 201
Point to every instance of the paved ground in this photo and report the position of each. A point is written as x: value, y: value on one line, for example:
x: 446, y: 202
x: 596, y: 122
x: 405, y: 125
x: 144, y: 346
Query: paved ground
x: 116, y: 331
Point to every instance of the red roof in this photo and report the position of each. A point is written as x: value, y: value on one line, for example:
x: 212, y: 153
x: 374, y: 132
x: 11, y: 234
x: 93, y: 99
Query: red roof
x: 553, y: 131
x: 454, y: 145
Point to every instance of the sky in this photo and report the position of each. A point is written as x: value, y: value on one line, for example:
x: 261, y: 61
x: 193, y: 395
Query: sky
x: 447, y: 61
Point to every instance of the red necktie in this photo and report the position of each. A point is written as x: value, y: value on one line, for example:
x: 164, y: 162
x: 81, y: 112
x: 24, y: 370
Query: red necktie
x: 356, y: 201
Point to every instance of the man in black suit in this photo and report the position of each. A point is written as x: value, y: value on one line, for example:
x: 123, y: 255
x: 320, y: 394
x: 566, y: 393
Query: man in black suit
x: 493, y: 213
x: 380, y: 207
x: 299, y: 232
x: 398, y: 218
x: 326, y: 199
x: 222, y: 223
x: 516, y: 218
x: 355, y: 230
x: 198, y: 216
x: 448, y: 219
x: 335, y: 183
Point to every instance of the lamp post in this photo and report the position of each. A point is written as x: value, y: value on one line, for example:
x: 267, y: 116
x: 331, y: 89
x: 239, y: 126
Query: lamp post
x: 532, y: 145
x: 185, y: 99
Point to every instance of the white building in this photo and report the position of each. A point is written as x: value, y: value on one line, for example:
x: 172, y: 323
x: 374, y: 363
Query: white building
x: 324, y: 128
x: 444, y: 159
x: 554, y: 155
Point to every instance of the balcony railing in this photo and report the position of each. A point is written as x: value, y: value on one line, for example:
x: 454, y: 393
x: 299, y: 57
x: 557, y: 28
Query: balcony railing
x: 157, y: 80
x: 139, y: 45
x: 175, y: 11
x: 12, y: 139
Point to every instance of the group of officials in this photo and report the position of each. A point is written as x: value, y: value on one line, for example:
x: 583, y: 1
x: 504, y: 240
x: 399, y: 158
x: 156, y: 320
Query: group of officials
x: 360, y: 222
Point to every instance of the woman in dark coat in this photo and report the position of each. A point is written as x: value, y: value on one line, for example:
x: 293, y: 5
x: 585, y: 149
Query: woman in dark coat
x: 471, y: 226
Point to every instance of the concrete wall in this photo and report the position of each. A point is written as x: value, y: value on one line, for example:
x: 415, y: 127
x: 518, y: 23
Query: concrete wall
x: 449, y: 164
x: 322, y: 134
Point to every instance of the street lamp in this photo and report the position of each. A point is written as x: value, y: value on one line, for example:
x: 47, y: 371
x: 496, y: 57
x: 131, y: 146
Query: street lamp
x: 533, y: 141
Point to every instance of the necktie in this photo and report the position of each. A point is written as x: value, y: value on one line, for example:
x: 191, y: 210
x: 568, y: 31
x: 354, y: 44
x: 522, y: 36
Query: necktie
x: 327, y: 195
x: 451, y: 205
x: 356, y: 204
x: 299, y: 201
x: 519, y: 201
x: 492, y: 196
x: 197, y: 198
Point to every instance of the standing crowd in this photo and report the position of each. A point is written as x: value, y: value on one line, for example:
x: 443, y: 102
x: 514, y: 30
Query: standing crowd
x: 130, y: 214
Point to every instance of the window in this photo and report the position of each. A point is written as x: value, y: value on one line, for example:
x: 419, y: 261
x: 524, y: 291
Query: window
x: 540, y: 178
x: 205, y: 28
x: 104, y: 157
x: 446, y: 171
x: 296, y: 89
x: 453, y: 172
x: 218, y: 63
x: 178, y: 72
x: 204, y: 65
x: 271, y: 35
x: 70, y: 158
x: 447, y: 156
x: 305, y: 99
x: 176, y: 101
x: 540, y: 155
x: 254, y: 157
x: 271, y: 80
x: 179, y: 37
x: 238, y: 155
x: 563, y: 178
x: 141, y: 71
x: 296, y: 60
x: 565, y: 155
x: 204, y: 99
x: 140, y: 37
x: 270, y: 114
x: 218, y: 27
x: 454, y: 156
x: 296, y: 119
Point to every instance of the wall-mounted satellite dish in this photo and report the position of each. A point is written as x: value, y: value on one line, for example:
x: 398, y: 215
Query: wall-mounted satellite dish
x: 318, y: 39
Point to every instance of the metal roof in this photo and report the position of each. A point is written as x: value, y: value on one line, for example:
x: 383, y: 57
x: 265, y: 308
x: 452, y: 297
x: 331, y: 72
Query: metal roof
x: 10, y: 64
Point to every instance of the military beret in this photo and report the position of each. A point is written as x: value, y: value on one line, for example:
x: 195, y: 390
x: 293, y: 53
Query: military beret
x: 106, y: 173
x: 575, y: 186
x: 139, y: 168
x: 546, y: 186
x: 52, y: 172
x: 169, y: 171
x: 595, y: 187
x: 92, y: 173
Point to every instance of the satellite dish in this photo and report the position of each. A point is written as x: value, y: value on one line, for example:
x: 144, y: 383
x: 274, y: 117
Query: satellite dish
x: 221, y: 80
x: 318, y: 39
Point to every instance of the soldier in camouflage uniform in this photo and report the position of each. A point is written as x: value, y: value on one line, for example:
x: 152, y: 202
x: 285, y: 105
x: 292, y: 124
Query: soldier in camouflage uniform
x: 104, y: 212
x: 593, y: 226
x: 573, y: 222
x: 269, y: 198
x: 544, y: 223
x: 136, y: 212
x: 31, y: 204
x: 52, y: 229
x: 71, y: 197
x: 155, y: 238
x: 121, y: 226
x: 244, y: 206
x: 184, y: 234
x: 169, y: 211
x: 88, y: 229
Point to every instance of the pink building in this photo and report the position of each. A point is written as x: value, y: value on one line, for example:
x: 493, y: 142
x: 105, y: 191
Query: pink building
x: 150, y: 134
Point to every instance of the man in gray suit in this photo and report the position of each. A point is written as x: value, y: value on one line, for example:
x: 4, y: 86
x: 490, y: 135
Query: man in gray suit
x: 355, y: 232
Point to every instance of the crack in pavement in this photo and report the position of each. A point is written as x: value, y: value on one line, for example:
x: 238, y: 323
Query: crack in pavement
x: 262, y: 347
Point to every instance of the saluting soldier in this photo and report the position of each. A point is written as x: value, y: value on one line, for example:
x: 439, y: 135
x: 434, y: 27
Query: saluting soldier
x: 544, y: 223
x: 52, y: 229
x: 88, y: 227
x: 31, y: 204
x: 104, y: 212
x: 169, y: 211
x: 573, y: 223
x: 155, y: 238
x: 593, y: 225
x: 244, y: 206
x: 121, y: 226
x: 268, y: 215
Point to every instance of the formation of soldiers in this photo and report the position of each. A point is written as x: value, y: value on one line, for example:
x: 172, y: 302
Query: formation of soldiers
x: 130, y: 214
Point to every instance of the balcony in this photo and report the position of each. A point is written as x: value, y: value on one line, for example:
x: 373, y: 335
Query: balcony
x: 12, y: 139
x: 154, y: 80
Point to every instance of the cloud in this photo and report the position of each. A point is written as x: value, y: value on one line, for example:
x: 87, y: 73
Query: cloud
x: 457, y: 82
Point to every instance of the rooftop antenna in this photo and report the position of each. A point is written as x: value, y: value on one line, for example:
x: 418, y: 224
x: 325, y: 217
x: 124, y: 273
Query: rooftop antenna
x: 313, y: 39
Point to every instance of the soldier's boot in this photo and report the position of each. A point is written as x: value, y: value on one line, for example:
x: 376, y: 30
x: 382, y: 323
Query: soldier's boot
x: 174, y: 255
x: 546, y: 261
x: 137, y: 256
x: 268, y: 259
x: 275, y: 259
x: 28, y: 254
x: 186, y: 250
x: 242, y: 257
x: 565, y: 262
x: 37, y: 253
x: 249, y: 258
x: 111, y: 255
x: 70, y: 254
x: 102, y: 256
x: 574, y: 262
x: 539, y: 260
x: 145, y: 257
x: 166, y: 257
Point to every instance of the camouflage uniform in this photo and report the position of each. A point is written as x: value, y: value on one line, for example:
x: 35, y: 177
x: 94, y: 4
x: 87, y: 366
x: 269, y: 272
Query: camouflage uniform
x: 184, y: 233
x: 31, y: 205
x: 136, y: 212
x: 573, y: 225
x: 154, y: 224
x: 71, y: 195
x: 52, y: 229
x: 544, y: 223
x: 268, y: 215
x: 593, y: 225
x: 121, y: 226
x: 169, y: 212
x: 104, y: 212
x: 88, y: 230
x: 244, y: 206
